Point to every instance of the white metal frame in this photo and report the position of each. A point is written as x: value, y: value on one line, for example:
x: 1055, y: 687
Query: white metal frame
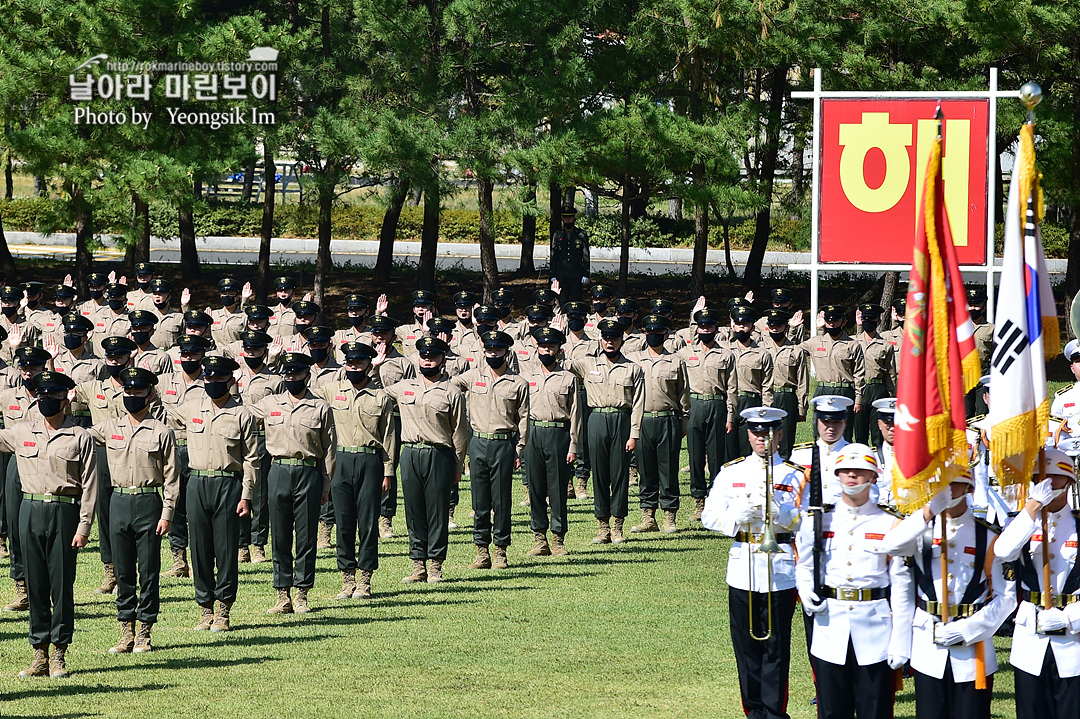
x: 815, y: 266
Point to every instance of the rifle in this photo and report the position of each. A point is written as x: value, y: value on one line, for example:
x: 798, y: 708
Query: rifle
x: 817, y: 511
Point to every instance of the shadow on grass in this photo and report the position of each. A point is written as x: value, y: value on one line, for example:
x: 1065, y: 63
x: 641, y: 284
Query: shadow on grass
x: 72, y: 686
x: 180, y: 663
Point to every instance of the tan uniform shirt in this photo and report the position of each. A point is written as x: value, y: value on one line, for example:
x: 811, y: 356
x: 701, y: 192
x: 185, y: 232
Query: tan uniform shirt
x: 432, y: 413
x: 711, y: 371
x: 91, y: 309
x: 984, y: 342
x: 496, y: 403
x: 895, y: 337
x: 796, y: 334
x: 17, y: 406
x: 553, y: 397
x: 282, y: 322
x: 455, y: 364
x: 407, y: 336
x: 174, y: 391
x: 227, y: 325
x: 155, y: 360
x: 48, y: 324
x: 80, y: 369
x: 753, y: 369
x: 31, y: 336
x: 330, y: 372
x: 109, y: 324
x: 349, y: 335
x: 253, y: 386
x: 169, y: 329
x: 363, y: 418
x: 839, y: 360
x: 104, y: 397
x: 667, y: 387
x: 299, y: 430
x: 60, y: 462
x: 619, y: 384
x: 141, y: 455
x: 580, y: 347
x: 395, y: 368
x: 220, y: 439
x: 466, y: 344
x: 790, y: 370
x: 879, y: 358
x: 140, y: 300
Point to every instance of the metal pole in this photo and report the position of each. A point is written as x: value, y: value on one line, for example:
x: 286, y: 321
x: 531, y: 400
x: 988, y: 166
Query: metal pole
x: 992, y: 178
x: 815, y: 210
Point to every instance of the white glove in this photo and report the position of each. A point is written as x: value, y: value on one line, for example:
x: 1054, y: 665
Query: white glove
x: 941, y: 501
x: 812, y: 603
x: 896, y: 661
x: 1043, y: 492
x: 1050, y: 620
x: 947, y: 634
x: 747, y: 514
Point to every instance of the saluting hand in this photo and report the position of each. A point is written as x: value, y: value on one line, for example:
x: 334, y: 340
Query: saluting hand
x: 112, y: 277
x: 15, y: 337
x: 381, y: 304
x: 245, y: 292
x: 68, y: 281
x: 796, y: 319
x: 49, y: 345
x: 556, y: 287
x: 185, y: 299
x: 275, y: 348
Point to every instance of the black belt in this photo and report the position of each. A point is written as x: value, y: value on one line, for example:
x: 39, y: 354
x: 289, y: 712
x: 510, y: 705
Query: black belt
x: 958, y: 611
x: 853, y: 594
x: 755, y: 537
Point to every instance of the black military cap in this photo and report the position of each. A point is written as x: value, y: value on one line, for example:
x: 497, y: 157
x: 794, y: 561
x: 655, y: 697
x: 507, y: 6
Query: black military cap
x: 707, y: 316
x: 548, y: 336
x: 575, y: 309
x: 144, y: 268
x: 48, y: 382
x: 193, y: 343
x: 625, y: 304
x: 142, y: 318
x: 63, y: 291
x: 356, y: 301
x: 423, y: 297
x: 782, y: 294
x: 318, y: 333
x: 306, y: 308
x: 228, y: 284
x: 465, y: 299
x: 610, y: 328
x: 976, y: 296
x: 116, y: 291
x: 382, y: 323
x: 284, y: 283
x: 429, y: 346
x: 568, y: 210
x: 870, y: 312
x: 440, y: 325
x: 545, y: 297
x: 497, y: 339
x: 539, y: 313
x: 197, y: 317
x: 743, y: 314
x: 661, y: 306
x: 77, y: 324
x: 655, y: 323
x: 357, y: 350
x: 258, y: 312
x: 160, y: 286
x: 295, y: 362
x: 118, y: 346
x: 736, y: 302
x: 33, y: 287
x: 834, y: 312
x: 137, y: 378
x: 11, y: 293
x: 502, y: 296
x: 97, y: 279
x: 254, y: 339
x: 599, y: 291
x: 34, y: 356
x: 485, y: 313
x: 776, y: 318
x: 218, y: 366
x: 900, y: 306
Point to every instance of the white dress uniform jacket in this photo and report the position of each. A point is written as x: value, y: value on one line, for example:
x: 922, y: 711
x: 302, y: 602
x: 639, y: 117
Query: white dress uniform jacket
x: 830, y: 485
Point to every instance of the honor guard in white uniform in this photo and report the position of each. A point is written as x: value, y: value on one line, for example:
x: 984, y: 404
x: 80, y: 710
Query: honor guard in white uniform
x: 952, y: 647
x: 761, y: 585
x: 886, y: 413
x: 1046, y: 642
x: 860, y: 597
x: 991, y: 501
x: 831, y: 417
x: 1067, y: 401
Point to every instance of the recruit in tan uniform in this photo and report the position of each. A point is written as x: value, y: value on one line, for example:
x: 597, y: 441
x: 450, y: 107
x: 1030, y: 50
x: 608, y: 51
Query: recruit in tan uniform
x: 754, y: 369
x: 791, y: 376
x: 838, y: 361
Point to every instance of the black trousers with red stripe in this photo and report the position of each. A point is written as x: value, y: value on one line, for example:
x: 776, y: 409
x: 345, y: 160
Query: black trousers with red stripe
x: 763, y: 665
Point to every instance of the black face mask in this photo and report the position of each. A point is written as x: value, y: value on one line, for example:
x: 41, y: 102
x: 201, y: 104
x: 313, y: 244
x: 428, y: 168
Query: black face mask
x: 190, y: 367
x: 495, y: 362
x: 575, y: 324
x: 613, y: 354
x: 654, y: 340
x: 977, y: 314
x: 115, y: 305
x: 134, y: 405
x: 706, y: 337
x: 357, y: 322
x: 319, y: 354
x: 778, y: 337
x: 356, y: 376
x: 144, y: 286
x: 33, y: 304
x: 430, y: 372
x: 547, y: 360
x: 114, y: 370
x: 253, y: 362
x: 216, y: 390
x: 74, y: 341
x: 295, y: 387
x: 465, y: 321
x: 870, y: 326
x: 599, y: 307
x: 50, y: 407
x: 161, y: 305
x: 834, y: 331
x: 63, y: 309
x: 228, y: 300
x: 482, y: 329
x: 10, y: 311
x: 743, y: 336
x: 28, y: 386
x: 504, y: 312
x: 96, y: 294
x: 140, y: 338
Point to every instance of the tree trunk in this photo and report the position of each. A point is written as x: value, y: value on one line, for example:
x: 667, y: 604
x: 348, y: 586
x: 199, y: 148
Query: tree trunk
x: 189, y: 251
x: 1072, y: 269
x: 554, y: 209
x: 384, y: 265
x: 798, y: 185
x: 674, y: 209
x: 249, y: 179
x: 777, y: 91
x: 892, y: 281
x: 9, y: 179
x: 727, y: 249
x: 528, y: 230
x: 701, y: 246
x: 429, y: 238
x: 624, y: 246
x: 489, y: 265
x: 84, y: 233
x: 266, y: 232
x: 7, y: 262
x: 142, y: 229
x: 41, y: 188
x: 324, y: 263
x: 639, y: 199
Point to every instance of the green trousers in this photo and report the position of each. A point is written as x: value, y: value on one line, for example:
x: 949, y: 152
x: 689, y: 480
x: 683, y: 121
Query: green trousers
x: 47, y: 530
x: 357, y: 493
x: 389, y: 499
x: 608, y: 434
x: 658, y: 462
x: 549, y: 475
x: 14, y: 506
x: 706, y: 436
x: 866, y: 422
x: 788, y: 402
x: 255, y: 528
x: 5, y: 530
x: 295, y: 498
x: 178, y: 531
x: 738, y: 442
x: 136, y: 555
x: 426, y: 476
x: 215, y: 527
x: 103, y: 505
x: 491, y: 480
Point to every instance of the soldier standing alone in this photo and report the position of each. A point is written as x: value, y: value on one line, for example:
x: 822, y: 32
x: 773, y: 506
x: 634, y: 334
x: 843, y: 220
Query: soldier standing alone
x: 569, y: 258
